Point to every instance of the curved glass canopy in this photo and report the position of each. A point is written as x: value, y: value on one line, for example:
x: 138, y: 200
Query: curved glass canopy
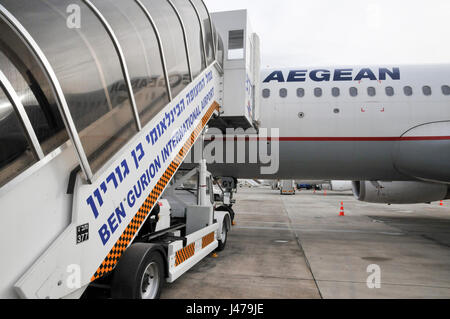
x: 100, y: 51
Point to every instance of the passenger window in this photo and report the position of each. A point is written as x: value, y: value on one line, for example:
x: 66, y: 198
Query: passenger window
x: 283, y: 93
x: 317, y: 92
x: 446, y: 90
x: 389, y: 91
x: 300, y: 92
x: 266, y: 93
x: 335, y: 92
x: 426, y: 90
x: 408, y: 90
x: 236, y: 45
x: 353, y: 91
x: 371, y: 91
x: 15, y: 153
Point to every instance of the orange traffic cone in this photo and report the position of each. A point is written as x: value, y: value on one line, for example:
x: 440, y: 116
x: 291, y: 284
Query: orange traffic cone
x: 341, y: 213
x: 325, y: 194
x: 442, y: 203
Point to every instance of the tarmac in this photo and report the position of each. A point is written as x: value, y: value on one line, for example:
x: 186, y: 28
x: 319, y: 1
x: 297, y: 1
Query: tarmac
x: 297, y: 246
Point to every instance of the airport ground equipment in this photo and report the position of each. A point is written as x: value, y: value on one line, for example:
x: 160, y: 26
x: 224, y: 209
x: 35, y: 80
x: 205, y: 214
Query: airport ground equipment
x: 242, y: 65
x: 287, y: 187
x: 100, y: 102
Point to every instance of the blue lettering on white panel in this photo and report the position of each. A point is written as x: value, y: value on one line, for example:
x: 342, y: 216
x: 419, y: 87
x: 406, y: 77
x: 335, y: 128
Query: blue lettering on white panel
x: 338, y: 75
x: 394, y: 74
x: 95, y: 201
x: 320, y: 75
x: 365, y: 74
x: 297, y: 76
x: 343, y: 75
x: 275, y: 76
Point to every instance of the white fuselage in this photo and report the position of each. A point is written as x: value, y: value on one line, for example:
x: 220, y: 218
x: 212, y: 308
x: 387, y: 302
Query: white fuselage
x: 356, y: 123
x: 361, y: 116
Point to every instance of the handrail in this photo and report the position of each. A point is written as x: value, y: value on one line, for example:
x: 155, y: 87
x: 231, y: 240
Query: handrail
x: 23, y: 117
x: 186, y: 45
x: 123, y: 63
x: 212, y: 30
x: 28, y: 40
x: 160, y: 45
x: 202, y: 33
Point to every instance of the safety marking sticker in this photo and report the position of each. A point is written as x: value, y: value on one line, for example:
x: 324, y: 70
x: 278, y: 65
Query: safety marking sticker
x: 127, y: 236
x: 184, y: 254
x: 208, y: 239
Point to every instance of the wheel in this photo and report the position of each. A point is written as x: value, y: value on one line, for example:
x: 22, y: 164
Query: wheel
x: 227, y: 209
x: 224, y: 236
x: 151, y: 222
x: 139, y: 273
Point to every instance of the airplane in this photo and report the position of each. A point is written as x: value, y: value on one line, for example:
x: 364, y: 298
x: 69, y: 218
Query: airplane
x: 387, y: 128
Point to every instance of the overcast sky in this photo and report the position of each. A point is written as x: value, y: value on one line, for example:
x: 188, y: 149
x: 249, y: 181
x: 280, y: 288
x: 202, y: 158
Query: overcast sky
x: 347, y: 32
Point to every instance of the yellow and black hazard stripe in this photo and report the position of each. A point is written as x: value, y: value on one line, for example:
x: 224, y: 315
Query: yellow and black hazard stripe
x: 208, y: 239
x: 184, y: 254
x: 121, y: 245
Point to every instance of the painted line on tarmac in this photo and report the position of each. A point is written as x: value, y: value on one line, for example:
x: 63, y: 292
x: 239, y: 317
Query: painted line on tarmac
x: 309, y: 230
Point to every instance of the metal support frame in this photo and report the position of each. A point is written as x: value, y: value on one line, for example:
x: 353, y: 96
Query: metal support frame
x: 202, y: 173
x: 212, y: 30
x: 28, y: 40
x: 186, y: 45
x: 218, y: 67
x: 178, y: 183
x: 202, y: 33
x: 160, y: 46
x: 23, y: 117
x: 123, y: 63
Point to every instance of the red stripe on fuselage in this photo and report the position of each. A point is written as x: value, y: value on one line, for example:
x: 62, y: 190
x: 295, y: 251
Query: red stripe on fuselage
x: 338, y: 139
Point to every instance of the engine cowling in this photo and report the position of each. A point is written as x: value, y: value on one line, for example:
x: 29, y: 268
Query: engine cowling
x: 341, y: 186
x: 399, y: 192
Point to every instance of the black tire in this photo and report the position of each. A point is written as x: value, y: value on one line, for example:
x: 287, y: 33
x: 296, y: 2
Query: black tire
x: 227, y: 209
x: 222, y: 242
x: 142, y: 264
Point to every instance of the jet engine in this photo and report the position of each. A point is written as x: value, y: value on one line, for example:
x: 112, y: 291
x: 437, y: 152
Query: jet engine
x: 400, y: 192
x: 341, y: 186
